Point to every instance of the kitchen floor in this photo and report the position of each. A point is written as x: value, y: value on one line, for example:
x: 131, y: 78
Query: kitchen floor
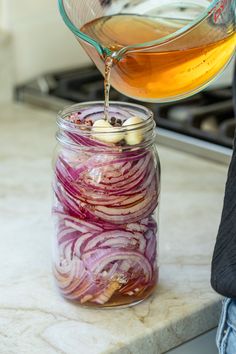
x: 204, y: 344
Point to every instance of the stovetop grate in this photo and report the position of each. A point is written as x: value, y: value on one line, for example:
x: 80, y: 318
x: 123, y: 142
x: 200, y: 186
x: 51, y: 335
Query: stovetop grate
x: 207, y: 115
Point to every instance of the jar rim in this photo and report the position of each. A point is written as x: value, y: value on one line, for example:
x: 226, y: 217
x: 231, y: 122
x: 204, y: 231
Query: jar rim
x: 62, y: 122
x: 95, y: 109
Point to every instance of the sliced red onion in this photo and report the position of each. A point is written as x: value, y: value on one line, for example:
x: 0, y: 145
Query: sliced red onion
x: 106, y: 232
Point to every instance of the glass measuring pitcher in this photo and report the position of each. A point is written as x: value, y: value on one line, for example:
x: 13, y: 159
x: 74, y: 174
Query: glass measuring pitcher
x: 162, y: 50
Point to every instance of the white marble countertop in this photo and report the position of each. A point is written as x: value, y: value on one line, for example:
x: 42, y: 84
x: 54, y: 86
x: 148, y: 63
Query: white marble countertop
x: 34, y: 319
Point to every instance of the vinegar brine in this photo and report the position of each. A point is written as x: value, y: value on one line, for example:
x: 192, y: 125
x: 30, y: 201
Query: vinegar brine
x: 175, y: 69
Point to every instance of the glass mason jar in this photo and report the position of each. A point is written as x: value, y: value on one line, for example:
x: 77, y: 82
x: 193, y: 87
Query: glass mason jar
x: 106, y: 193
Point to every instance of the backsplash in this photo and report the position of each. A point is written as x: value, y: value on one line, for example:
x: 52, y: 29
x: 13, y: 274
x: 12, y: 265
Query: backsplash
x: 41, y: 41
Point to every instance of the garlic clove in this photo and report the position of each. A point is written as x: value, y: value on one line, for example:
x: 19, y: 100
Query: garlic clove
x: 111, y: 134
x: 133, y: 120
x: 101, y: 123
x: 133, y: 137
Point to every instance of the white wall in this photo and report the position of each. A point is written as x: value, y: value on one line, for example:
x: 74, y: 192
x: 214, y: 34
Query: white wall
x: 41, y: 40
x: 6, y: 67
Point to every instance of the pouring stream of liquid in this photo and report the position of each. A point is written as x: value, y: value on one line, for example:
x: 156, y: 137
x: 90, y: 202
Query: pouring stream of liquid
x: 108, y: 66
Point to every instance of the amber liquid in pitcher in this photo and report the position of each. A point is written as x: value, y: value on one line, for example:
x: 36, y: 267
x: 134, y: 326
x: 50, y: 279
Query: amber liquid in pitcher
x: 175, y: 69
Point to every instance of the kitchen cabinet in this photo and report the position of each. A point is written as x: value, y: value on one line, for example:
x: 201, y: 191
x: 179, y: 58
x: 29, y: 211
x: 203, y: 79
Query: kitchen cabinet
x: 204, y: 344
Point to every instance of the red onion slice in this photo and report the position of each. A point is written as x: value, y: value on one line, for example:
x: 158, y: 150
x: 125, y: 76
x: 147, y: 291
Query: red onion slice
x: 106, y: 232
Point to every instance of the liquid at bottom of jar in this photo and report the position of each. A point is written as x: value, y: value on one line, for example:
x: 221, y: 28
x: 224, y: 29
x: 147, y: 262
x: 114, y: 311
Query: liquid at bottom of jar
x: 119, y: 300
